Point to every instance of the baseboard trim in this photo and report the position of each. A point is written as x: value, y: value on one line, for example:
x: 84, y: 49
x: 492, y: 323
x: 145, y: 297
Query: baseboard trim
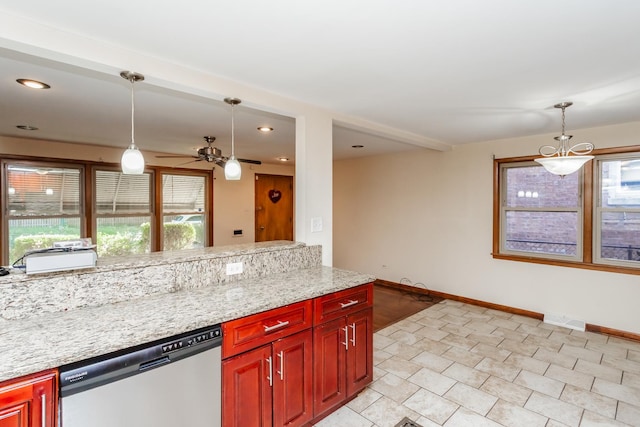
x: 540, y: 316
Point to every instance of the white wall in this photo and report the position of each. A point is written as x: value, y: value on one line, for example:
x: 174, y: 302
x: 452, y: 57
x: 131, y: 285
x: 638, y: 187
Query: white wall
x: 233, y: 201
x: 427, y: 216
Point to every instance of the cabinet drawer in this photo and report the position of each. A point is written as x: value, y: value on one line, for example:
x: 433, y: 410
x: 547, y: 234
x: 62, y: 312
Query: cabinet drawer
x: 252, y: 331
x: 343, y: 303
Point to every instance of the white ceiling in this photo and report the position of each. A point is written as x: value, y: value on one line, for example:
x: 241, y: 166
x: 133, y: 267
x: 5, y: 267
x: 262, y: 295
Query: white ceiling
x: 457, y: 72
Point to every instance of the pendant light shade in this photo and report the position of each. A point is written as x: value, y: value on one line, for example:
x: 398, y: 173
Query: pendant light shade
x: 132, y: 160
x: 232, y: 169
x: 564, y: 160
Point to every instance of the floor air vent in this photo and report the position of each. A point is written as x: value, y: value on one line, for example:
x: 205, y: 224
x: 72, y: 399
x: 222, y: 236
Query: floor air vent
x: 406, y: 422
x: 566, y: 322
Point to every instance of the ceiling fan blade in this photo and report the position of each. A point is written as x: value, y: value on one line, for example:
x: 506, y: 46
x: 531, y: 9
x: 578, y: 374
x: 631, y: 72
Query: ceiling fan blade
x: 175, y: 157
x: 220, y: 161
x: 185, y: 163
x: 253, y: 162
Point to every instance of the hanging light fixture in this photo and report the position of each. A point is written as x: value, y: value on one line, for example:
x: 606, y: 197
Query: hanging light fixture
x: 232, y: 170
x: 564, y: 159
x: 132, y: 160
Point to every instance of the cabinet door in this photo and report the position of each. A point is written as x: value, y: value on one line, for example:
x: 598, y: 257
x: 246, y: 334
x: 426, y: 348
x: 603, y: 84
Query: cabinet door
x: 29, y: 401
x: 14, y: 415
x: 360, y: 352
x: 329, y: 365
x: 246, y: 390
x: 293, y: 380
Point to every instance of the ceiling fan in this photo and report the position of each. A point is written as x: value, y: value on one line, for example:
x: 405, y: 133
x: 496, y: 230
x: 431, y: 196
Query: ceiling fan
x: 210, y: 154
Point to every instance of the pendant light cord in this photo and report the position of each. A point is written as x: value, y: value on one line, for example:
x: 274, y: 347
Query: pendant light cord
x: 233, y: 131
x: 133, y: 143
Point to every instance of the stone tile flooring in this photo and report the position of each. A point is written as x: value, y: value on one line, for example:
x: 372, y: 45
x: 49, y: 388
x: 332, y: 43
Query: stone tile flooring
x: 455, y: 364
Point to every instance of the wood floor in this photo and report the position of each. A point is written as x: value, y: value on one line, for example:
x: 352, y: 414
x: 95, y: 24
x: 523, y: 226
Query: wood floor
x: 391, y: 304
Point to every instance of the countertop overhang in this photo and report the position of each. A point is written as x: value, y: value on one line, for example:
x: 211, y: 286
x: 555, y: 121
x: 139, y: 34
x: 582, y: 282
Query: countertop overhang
x: 53, y: 339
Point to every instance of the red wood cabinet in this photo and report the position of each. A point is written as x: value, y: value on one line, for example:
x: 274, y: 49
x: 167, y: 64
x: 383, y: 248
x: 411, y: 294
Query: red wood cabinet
x: 271, y: 385
x: 343, y: 347
x: 295, y: 364
x: 252, y: 331
x: 30, y: 401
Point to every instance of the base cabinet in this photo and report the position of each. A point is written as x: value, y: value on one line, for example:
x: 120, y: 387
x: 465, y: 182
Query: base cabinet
x: 343, y: 359
x: 293, y: 365
x: 271, y: 385
x: 29, y: 401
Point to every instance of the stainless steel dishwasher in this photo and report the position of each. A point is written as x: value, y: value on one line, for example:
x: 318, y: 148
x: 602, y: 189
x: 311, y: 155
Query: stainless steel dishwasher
x: 167, y: 383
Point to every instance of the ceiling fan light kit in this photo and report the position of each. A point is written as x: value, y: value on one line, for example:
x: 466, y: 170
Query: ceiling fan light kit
x: 564, y: 159
x: 132, y: 160
x: 232, y: 169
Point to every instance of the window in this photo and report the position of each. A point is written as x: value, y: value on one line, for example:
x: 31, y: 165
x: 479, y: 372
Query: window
x: 589, y: 219
x: 43, y: 205
x: 183, y: 205
x: 44, y: 202
x: 123, y: 213
x: 617, y: 218
x: 541, y: 212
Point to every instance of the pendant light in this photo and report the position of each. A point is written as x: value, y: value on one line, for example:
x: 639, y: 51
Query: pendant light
x: 132, y: 160
x: 564, y: 160
x: 232, y: 170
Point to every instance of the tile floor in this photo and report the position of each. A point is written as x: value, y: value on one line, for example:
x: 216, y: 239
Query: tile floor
x: 455, y: 364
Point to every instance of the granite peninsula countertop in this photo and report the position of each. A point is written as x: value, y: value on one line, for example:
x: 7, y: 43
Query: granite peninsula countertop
x: 53, y: 339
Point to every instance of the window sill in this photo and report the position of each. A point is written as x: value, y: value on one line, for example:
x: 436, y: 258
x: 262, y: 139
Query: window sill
x: 572, y: 264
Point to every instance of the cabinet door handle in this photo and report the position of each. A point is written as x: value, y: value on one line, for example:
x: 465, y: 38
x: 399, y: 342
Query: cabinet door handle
x: 279, y: 325
x: 43, y: 402
x: 346, y: 338
x: 281, y: 372
x: 353, y: 334
x: 270, y: 375
x: 348, y: 304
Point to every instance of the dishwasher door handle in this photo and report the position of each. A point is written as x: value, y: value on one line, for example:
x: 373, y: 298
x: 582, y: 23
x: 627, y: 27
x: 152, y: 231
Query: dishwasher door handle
x: 153, y: 363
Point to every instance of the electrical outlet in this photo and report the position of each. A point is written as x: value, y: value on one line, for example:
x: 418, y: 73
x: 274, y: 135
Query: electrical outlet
x: 234, y: 268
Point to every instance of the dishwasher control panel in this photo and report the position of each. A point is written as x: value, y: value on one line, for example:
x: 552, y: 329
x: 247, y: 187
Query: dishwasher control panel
x: 191, y: 340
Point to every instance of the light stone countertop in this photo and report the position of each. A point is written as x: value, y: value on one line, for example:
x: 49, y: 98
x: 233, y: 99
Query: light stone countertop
x: 54, y: 339
x: 162, y: 258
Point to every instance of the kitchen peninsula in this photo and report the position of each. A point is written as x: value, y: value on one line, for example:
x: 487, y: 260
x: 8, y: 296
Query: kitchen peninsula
x: 53, y: 319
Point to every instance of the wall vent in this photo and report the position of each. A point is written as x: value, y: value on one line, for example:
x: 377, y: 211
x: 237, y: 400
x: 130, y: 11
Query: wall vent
x: 564, y: 321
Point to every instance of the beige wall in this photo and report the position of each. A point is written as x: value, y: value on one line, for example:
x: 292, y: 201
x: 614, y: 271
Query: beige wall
x: 427, y: 216
x: 233, y: 200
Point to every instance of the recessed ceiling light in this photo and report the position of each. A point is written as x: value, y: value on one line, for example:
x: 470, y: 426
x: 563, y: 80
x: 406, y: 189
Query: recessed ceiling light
x: 33, y: 84
x: 283, y: 159
x: 265, y: 129
x: 357, y: 146
x: 27, y: 127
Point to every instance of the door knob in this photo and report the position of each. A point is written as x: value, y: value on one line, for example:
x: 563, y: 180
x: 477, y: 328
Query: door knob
x: 261, y: 227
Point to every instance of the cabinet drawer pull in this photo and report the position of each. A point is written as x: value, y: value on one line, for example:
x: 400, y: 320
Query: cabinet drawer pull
x: 348, y: 304
x: 270, y: 374
x: 43, y: 402
x: 353, y: 334
x: 346, y: 338
x: 281, y: 372
x: 279, y: 325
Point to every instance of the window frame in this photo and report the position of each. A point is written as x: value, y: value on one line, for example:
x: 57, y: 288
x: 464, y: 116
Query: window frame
x: 5, y: 162
x: 589, y: 187
x: 578, y: 210
x: 599, y: 209
x: 95, y: 216
x: 208, y: 201
x: 87, y: 190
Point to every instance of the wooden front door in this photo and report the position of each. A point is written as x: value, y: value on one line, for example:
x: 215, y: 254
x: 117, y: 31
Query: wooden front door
x: 274, y: 207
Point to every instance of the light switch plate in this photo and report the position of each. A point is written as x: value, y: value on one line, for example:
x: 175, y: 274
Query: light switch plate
x: 316, y: 224
x: 234, y: 268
